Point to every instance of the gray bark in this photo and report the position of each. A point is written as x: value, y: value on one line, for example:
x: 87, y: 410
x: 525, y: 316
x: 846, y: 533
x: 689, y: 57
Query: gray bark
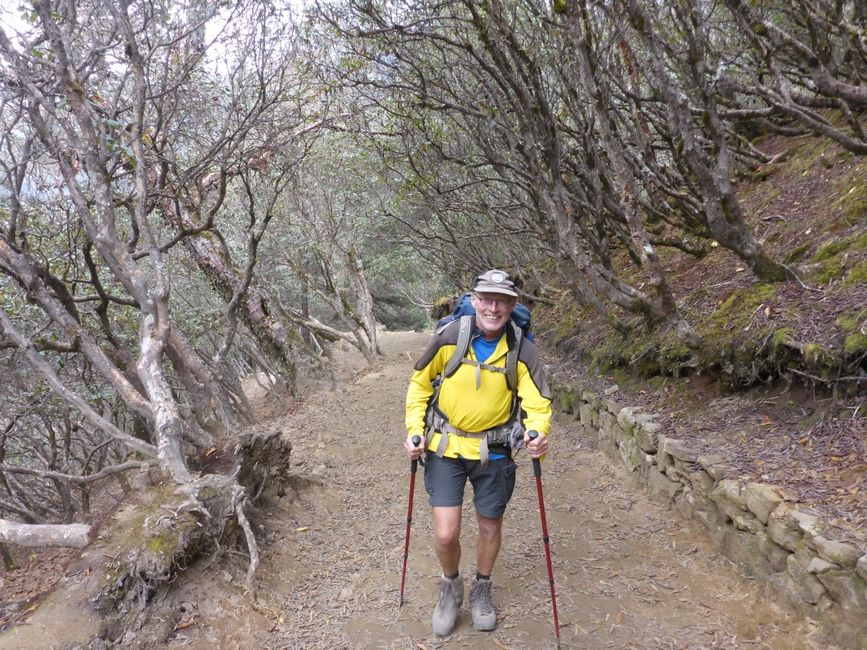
x: 24, y: 269
x: 711, y: 170
x: 42, y: 366
x: 74, y: 535
x: 614, y: 149
x: 363, y: 298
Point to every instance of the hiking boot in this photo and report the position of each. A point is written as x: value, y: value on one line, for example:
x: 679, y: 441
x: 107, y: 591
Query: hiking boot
x: 448, y: 604
x: 481, y: 605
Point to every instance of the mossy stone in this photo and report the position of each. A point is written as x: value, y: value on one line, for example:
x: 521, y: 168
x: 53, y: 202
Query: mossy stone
x: 856, y: 275
x: 797, y: 253
x: 830, y: 270
x: 853, y: 202
x: 816, y: 356
x: 854, y: 344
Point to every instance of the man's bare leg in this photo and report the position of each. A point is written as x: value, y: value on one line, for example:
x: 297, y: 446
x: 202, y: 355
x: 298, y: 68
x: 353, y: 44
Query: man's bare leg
x: 447, y: 541
x: 488, y: 543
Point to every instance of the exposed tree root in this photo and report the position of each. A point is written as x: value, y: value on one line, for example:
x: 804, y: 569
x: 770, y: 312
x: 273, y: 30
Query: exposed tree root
x: 149, y: 542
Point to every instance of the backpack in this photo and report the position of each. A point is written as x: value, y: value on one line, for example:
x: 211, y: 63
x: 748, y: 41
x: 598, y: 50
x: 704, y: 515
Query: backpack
x: 510, y: 433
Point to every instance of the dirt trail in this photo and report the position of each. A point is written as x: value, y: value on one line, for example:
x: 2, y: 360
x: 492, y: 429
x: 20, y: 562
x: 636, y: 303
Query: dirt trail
x: 629, y: 573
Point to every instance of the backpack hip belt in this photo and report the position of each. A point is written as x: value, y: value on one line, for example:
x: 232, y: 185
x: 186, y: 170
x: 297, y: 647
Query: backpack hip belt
x: 509, y: 434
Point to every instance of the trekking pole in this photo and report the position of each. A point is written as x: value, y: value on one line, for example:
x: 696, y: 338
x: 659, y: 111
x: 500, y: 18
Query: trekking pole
x: 413, y: 466
x: 537, y: 472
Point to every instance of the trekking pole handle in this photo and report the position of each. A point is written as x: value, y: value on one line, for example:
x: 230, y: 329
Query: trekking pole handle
x: 537, y: 464
x: 416, y: 440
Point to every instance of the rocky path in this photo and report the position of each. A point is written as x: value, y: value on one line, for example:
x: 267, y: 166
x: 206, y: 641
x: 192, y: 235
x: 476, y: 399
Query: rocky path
x: 629, y: 573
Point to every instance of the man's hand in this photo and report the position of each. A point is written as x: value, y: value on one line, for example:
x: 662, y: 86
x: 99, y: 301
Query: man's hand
x: 414, y: 451
x: 538, y: 447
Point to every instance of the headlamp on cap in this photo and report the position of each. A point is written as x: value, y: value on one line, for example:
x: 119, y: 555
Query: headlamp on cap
x: 495, y: 281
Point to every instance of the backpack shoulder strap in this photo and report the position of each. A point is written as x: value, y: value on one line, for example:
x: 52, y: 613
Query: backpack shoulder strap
x: 462, y: 346
x: 512, y: 356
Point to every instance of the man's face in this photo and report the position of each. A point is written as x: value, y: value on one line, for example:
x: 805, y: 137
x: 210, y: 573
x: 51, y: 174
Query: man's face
x: 492, y: 312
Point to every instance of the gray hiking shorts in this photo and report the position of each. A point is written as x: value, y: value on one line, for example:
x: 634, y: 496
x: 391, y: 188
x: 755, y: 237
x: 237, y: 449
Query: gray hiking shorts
x: 446, y: 478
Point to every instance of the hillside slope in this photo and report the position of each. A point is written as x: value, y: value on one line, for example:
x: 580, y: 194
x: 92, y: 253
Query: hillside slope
x: 779, y: 385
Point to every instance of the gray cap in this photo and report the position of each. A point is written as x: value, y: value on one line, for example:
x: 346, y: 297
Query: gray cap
x: 495, y: 281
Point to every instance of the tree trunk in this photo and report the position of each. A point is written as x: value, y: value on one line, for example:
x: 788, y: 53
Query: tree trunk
x: 363, y: 298
x: 28, y: 274
x: 640, y: 241
x: 41, y: 365
x: 74, y: 535
x: 721, y: 207
x: 255, y: 310
x: 141, y: 551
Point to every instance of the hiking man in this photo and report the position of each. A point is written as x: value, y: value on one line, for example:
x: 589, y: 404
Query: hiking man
x: 474, y: 384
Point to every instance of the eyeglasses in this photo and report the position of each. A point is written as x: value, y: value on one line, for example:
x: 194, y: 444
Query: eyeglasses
x: 493, y: 302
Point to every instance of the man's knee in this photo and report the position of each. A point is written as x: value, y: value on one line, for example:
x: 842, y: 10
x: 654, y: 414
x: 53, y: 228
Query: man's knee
x: 490, y: 528
x: 447, y: 532
x: 447, y: 538
x: 447, y: 526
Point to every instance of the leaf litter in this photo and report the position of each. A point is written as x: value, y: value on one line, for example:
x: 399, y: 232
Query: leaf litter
x: 333, y: 548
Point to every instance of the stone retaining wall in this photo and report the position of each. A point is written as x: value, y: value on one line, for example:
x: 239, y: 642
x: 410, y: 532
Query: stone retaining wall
x: 756, y: 525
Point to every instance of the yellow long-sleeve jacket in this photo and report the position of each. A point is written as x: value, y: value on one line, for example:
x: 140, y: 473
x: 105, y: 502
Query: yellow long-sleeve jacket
x: 472, y: 407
